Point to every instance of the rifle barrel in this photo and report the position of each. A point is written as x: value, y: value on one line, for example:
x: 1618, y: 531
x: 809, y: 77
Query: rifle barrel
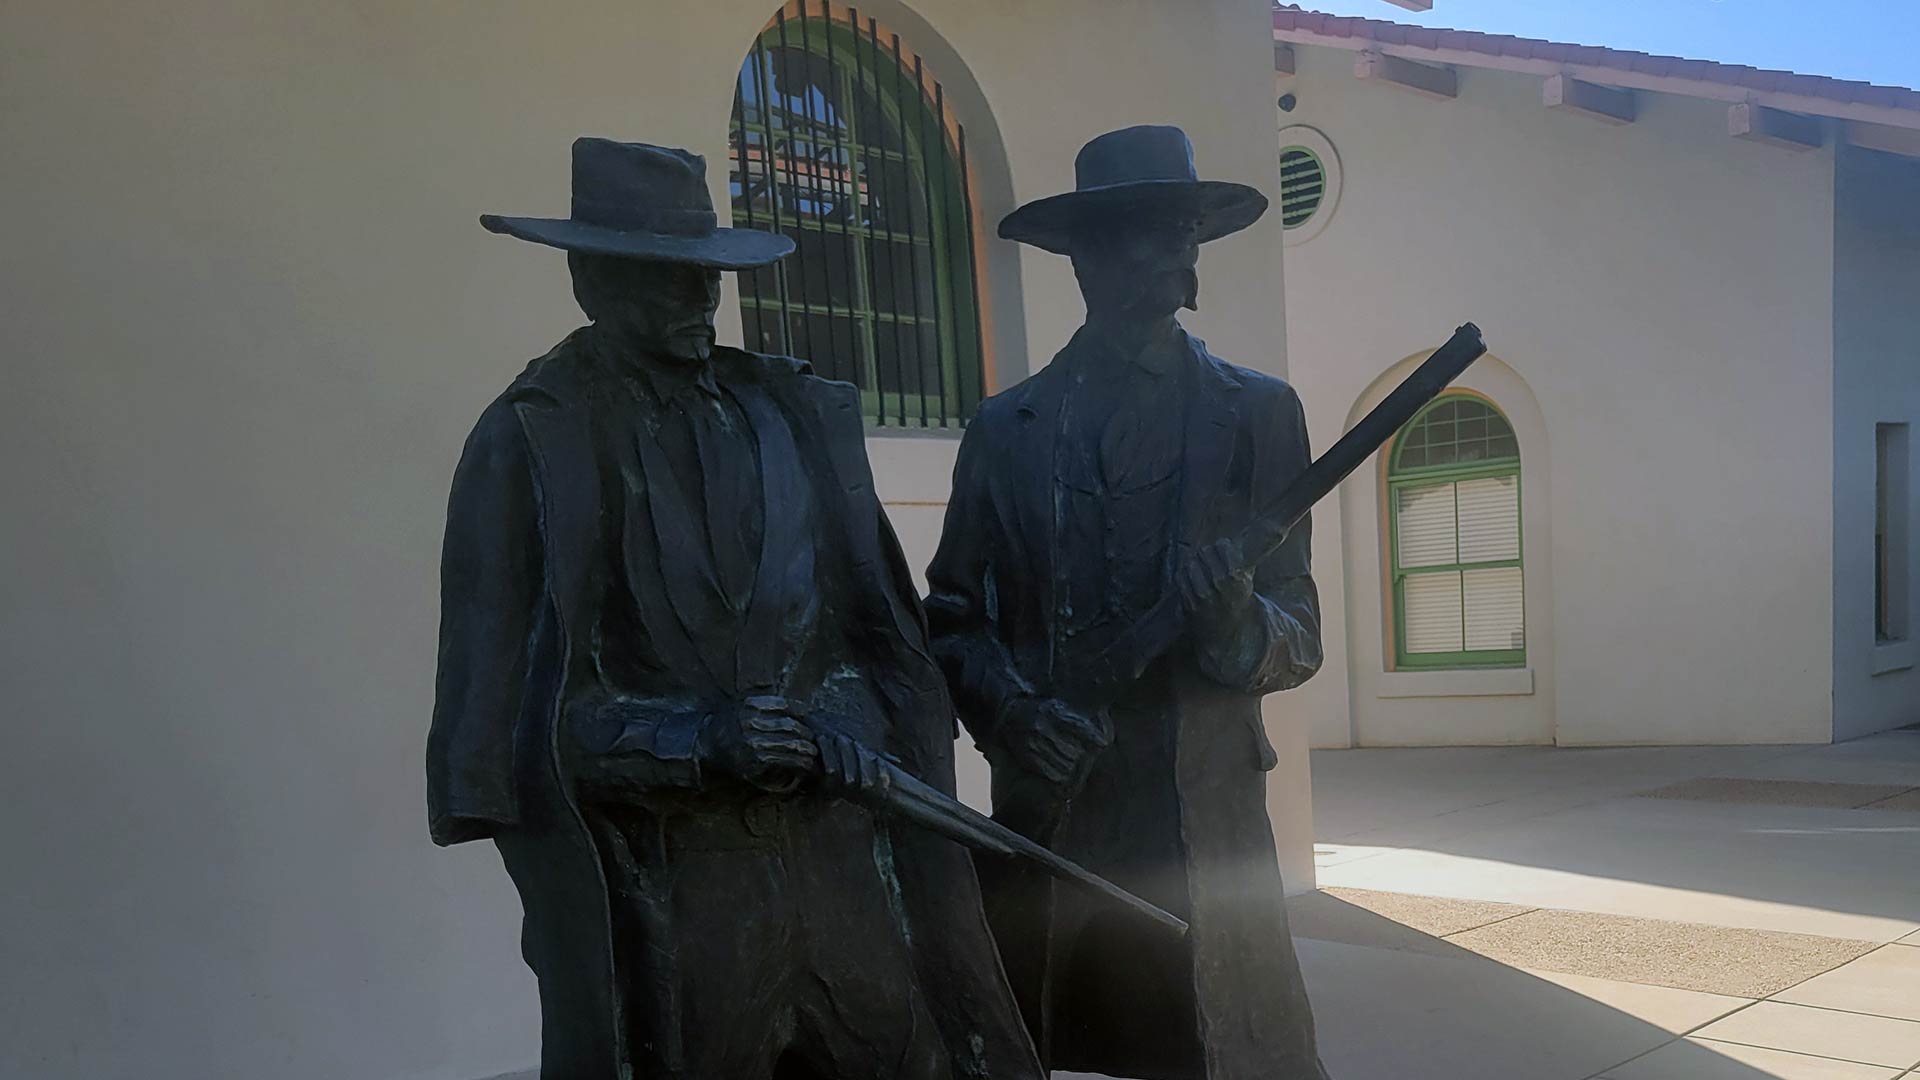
x: 1160, y: 628
x: 915, y: 800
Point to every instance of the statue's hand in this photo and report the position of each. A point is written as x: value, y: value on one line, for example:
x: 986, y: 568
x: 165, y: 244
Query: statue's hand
x: 761, y: 743
x: 1049, y: 738
x: 851, y: 766
x: 1212, y: 584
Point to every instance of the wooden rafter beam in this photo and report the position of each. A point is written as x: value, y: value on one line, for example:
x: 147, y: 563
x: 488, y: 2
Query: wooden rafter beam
x: 1433, y: 82
x: 1888, y: 140
x: 1568, y: 94
x: 1790, y: 131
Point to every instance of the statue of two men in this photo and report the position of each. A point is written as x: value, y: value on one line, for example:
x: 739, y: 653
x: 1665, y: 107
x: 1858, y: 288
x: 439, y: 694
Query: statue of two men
x: 681, y: 653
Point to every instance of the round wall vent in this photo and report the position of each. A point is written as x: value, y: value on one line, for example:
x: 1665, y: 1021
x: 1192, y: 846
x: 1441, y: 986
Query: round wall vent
x: 1303, y: 185
x: 1309, y: 183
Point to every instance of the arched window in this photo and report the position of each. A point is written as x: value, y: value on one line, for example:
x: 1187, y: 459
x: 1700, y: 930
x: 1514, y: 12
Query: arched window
x: 1453, y: 487
x: 842, y: 140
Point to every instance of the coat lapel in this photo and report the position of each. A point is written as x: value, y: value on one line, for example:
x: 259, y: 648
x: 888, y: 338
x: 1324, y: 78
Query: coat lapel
x: 1031, y: 462
x: 785, y: 579
x: 1209, y: 445
x: 566, y: 483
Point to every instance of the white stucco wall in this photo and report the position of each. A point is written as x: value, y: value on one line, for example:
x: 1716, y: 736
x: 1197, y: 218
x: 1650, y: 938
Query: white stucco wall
x: 251, y: 318
x: 1663, y: 292
x: 1876, y: 333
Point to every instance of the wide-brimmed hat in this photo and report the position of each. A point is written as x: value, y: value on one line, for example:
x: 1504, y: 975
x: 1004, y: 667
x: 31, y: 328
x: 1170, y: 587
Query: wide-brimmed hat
x: 1136, y: 172
x: 644, y: 202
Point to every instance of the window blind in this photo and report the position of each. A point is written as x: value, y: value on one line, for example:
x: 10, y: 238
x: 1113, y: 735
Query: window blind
x: 1489, y: 519
x: 1494, y: 615
x: 1428, y: 535
x: 1432, y: 613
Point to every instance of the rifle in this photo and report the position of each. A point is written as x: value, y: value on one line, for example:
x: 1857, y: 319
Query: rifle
x: 1127, y: 656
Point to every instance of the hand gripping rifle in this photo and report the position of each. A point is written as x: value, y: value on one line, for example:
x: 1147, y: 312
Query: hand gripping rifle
x: 1156, y: 632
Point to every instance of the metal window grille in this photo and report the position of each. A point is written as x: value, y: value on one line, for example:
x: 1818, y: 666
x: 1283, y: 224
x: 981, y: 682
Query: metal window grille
x: 1303, y: 186
x: 1454, y: 506
x: 842, y: 140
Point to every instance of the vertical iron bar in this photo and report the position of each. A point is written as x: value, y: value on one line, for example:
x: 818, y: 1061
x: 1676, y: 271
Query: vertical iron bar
x: 893, y: 252
x: 913, y: 252
x: 799, y: 222
x: 828, y: 363
x: 750, y: 279
x: 973, y: 281
x: 868, y: 283
x: 946, y: 221
x: 763, y: 77
x: 852, y: 202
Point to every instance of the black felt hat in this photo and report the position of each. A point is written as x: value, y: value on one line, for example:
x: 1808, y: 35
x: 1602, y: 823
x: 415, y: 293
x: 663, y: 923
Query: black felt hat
x: 1136, y: 172
x: 644, y: 202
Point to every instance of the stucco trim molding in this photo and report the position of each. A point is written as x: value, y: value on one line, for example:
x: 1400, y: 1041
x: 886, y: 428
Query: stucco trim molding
x: 1493, y: 682
x: 1895, y: 656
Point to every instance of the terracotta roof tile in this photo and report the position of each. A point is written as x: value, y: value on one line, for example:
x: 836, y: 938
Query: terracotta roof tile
x: 1291, y: 18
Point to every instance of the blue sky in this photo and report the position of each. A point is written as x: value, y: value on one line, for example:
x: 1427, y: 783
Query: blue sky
x: 1874, y: 40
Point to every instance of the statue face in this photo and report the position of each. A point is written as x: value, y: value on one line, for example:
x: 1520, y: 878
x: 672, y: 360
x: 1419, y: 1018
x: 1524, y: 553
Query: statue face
x: 1138, y: 271
x: 664, y: 309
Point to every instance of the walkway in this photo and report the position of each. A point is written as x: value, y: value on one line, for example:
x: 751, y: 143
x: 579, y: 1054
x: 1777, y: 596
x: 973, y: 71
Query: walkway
x: 1634, y: 914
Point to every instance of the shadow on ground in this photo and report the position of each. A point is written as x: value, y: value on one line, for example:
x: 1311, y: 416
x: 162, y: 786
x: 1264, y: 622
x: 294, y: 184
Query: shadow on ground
x: 1394, y: 1003
x: 1553, y: 814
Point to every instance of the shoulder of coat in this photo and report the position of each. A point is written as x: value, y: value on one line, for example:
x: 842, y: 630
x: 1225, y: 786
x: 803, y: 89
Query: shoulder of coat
x: 555, y: 377
x: 1260, y: 383
x: 1004, y: 406
x: 792, y: 377
x: 742, y: 363
x: 1262, y: 386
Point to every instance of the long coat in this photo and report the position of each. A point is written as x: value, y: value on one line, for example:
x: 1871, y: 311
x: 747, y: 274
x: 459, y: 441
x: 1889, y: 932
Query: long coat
x: 1175, y: 810
x: 524, y: 536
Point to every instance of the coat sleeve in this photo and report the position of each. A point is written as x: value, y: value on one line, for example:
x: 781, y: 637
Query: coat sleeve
x: 963, y: 609
x: 621, y: 747
x: 491, y: 583
x: 1274, y: 642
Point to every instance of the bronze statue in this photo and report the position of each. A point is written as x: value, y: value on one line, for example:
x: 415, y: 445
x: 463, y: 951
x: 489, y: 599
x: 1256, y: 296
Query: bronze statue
x: 681, y: 660
x: 1110, y: 488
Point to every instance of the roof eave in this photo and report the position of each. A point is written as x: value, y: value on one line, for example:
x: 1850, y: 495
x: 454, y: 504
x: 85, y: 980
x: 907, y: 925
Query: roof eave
x: 1607, y: 75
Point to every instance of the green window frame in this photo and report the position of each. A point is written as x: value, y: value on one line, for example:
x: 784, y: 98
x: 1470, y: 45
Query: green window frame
x: 841, y: 139
x: 1459, y: 451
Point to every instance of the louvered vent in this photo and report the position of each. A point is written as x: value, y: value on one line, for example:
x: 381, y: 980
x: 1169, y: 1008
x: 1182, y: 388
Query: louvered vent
x: 1303, y: 186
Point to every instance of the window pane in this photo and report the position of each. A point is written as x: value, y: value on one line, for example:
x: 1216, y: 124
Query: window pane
x: 1457, y: 430
x: 1495, y: 613
x: 1489, y: 519
x: 1425, y: 535
x: 1432, y: 612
